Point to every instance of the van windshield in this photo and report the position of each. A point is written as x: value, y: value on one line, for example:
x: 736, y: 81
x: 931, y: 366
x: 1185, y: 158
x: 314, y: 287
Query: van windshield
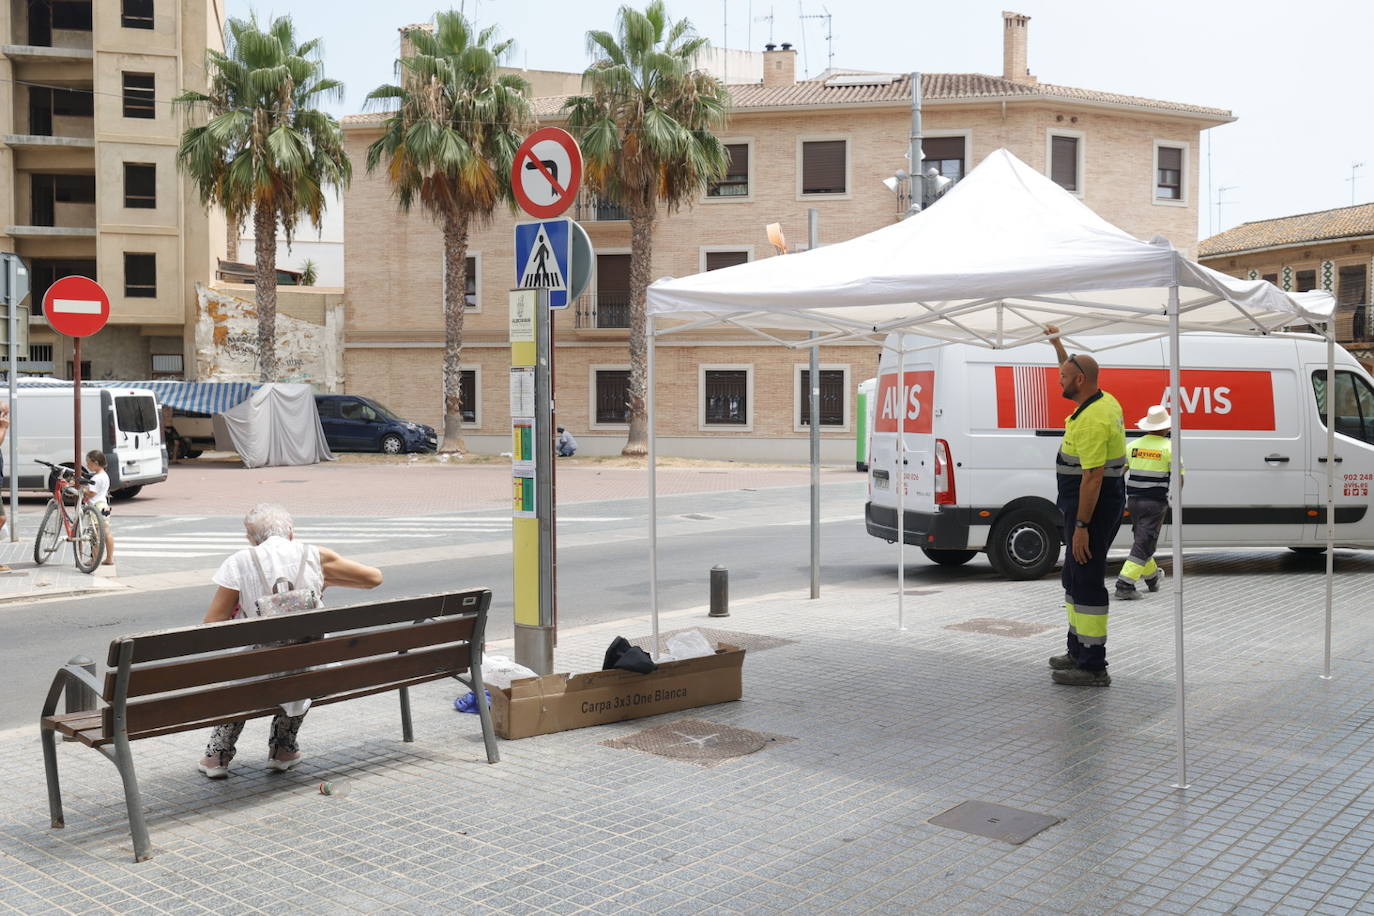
x: 381, y: 411
x: 136, y: 414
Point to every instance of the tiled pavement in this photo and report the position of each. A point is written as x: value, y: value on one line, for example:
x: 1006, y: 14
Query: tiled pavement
x: 891, y: 729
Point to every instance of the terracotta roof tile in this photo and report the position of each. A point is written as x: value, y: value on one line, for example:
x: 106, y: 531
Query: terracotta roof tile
x: 1300, y: 229
x: 844, y: 88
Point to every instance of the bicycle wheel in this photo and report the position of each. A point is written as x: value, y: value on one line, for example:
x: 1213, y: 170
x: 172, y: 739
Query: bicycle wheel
x: 49, y: 534
x: 90, y: 540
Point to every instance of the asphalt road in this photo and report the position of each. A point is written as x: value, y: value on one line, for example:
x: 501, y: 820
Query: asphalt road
x: 762, y: 537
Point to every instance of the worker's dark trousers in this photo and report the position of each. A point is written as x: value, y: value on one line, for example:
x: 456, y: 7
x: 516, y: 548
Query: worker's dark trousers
x: 1085, y: 594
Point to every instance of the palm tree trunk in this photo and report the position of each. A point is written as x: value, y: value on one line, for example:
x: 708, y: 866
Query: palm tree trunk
x: 455, y: 300
x: 265, y: 289
x: 641, y: 255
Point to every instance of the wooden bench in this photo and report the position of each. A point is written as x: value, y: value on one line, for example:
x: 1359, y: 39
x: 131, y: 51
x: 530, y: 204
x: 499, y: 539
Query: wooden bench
x: 195, y: 677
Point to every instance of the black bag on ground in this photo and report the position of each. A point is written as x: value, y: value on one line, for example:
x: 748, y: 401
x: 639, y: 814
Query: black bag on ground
x: 622, y: 654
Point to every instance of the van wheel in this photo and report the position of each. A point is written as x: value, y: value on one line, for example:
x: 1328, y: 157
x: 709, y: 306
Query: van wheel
x: 392, y: 444
x: 1024, y: 544
x: 948, y: 557
x: 126, y: 493
x: 193, y: 453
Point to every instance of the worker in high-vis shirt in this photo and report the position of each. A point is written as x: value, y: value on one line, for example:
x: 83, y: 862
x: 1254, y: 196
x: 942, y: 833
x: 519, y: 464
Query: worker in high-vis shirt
x: 1091, y: 473
x: 1151, y: 461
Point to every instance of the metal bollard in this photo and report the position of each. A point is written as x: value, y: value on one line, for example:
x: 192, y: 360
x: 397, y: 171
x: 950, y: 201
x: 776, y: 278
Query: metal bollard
x: 80, y: 698
x: 720, y: 592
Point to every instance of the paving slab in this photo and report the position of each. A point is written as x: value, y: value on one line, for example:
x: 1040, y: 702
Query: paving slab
x: 890, y: 728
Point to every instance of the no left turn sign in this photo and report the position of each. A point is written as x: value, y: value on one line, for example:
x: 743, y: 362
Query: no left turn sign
x: 547, y: 172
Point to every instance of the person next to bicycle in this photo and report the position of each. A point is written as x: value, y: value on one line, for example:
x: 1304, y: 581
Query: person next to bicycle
x: 99, y: 488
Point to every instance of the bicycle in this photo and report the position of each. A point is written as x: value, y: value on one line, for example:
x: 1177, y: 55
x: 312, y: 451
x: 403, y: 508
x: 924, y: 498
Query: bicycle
x: 80, y: 527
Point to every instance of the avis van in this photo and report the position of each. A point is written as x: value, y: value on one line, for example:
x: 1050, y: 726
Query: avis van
x: 124, y: 423
x: 982, y: 428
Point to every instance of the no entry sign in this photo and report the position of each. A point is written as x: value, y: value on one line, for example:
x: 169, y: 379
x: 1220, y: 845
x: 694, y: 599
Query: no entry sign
x: 76, y: 306
x: 547, y: 172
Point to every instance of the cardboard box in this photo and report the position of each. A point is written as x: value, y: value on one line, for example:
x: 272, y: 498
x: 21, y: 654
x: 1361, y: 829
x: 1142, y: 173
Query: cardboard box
x: 558, y: 702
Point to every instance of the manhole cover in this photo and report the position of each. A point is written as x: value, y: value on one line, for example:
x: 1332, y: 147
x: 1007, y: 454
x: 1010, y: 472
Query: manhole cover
x: 749, y: 641
x: 992, y: 626
x: 996, y: 822
x: 696, y: 741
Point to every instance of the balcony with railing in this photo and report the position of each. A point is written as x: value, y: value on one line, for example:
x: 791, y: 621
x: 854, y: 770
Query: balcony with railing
x: 591, y: 208
x: 605, y: 309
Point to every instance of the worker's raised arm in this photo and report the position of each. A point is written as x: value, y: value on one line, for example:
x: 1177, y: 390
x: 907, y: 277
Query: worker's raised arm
x: 1059, y: 350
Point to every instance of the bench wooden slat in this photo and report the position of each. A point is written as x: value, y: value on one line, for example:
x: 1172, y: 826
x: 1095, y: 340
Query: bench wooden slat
x: 235, y: 666
x: 229, y: 700
x: 192, y: 640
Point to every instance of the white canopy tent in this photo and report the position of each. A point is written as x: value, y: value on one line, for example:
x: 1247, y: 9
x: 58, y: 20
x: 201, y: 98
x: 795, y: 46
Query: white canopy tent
x: 1001, y: 255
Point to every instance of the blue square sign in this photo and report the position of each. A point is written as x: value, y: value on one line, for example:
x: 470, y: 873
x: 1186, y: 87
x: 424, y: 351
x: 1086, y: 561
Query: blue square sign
x: 543, y: 254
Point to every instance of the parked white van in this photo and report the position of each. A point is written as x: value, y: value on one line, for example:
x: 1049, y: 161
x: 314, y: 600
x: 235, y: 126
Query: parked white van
x: 124, y: 423
x: 983, y: 427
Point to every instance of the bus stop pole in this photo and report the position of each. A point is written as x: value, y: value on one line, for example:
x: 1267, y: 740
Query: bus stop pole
x: 814, y: 421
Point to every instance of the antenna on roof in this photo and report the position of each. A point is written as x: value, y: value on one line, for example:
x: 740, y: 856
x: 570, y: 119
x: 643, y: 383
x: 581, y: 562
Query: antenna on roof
x: 768, y: 19
x: 829, y: 36
x: 1220, y: 191
x: 1354, y: 167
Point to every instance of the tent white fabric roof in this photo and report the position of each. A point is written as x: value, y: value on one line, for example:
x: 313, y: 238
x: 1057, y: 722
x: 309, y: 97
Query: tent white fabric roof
x: 1004, y: 252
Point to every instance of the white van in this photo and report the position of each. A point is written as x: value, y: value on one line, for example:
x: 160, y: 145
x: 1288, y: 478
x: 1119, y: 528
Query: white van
x: 124, y: 423
x: 983, y: 427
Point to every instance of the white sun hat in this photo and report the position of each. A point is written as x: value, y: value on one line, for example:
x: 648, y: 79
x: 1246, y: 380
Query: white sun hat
x: 1156, y: 419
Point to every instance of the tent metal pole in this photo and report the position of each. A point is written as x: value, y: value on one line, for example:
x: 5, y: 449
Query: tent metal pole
x: 1330, y: 486
x: 1176, y: 539
x: 653, y: 488
x: 814, y: 425
x: 901, y: 482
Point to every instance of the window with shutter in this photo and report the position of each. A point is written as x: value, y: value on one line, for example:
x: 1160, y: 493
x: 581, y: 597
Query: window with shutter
x: 1306, y: 280
x: 715, y: 260
x: 1169, y: 173
x: 1064, y: 162
x: 823, y: 166
x: 1352, y: 285
x: 736, y: 180
x: 945, y: 155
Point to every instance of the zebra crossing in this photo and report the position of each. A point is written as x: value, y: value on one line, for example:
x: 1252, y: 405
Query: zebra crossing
x: 190, y: 537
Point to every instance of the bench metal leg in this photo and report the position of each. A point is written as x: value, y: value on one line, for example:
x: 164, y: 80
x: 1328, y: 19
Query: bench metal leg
x: 49, y: 739
x: 407, y: 731
x: 138, y: 828
x: 488, y: 733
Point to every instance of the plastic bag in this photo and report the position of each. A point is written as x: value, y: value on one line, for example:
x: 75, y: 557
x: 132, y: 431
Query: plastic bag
x: 690, y: 644
x: 499, y: 671
x: 468, y: 702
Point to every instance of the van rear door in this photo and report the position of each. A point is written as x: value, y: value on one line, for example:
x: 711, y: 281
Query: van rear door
x: 132, y: 437
x: 906, y: 407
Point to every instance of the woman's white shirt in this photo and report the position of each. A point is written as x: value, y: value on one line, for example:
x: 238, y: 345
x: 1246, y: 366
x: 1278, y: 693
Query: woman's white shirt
x: 280, y: 558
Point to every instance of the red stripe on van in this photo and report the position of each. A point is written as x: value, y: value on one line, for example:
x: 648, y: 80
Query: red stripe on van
x: 1213, y: 399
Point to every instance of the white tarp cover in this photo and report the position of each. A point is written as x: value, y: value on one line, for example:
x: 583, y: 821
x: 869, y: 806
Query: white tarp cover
x: 1004, y: 252
x: 277, y: 425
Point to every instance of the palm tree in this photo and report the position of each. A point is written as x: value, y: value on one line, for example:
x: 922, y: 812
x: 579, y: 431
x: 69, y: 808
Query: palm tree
x: 645, y: 125
x: 264, y: 150
x: 449, y: 145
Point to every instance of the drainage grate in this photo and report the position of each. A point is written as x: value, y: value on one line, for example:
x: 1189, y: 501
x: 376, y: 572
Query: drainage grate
x: 996, y: 822
x: 697, y: 741
x: 992, y: 626
x: 749, y: 641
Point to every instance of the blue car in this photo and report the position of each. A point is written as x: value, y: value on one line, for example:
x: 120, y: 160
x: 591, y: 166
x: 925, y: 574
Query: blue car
x: 357, y: 424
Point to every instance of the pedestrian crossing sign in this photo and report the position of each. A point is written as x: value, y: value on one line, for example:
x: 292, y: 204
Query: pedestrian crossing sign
x: 543, y: 253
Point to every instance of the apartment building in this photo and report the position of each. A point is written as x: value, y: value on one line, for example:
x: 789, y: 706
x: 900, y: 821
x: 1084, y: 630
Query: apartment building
x: 826, y: 143
x: 88, y: 177
x: 1331, y: 250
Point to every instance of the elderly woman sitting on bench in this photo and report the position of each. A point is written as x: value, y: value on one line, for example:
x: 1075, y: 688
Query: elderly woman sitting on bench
x: 256, y: 573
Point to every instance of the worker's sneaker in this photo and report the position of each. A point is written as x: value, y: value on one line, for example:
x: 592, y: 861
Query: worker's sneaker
x: 1081, y: 677
x: 1125, y: 592
x: 1062, y: 662
x: 1152, y: 582
x: 284, y: 760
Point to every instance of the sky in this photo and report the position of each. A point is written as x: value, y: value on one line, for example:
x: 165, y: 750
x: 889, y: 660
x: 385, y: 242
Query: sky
x: 1292, y: 73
